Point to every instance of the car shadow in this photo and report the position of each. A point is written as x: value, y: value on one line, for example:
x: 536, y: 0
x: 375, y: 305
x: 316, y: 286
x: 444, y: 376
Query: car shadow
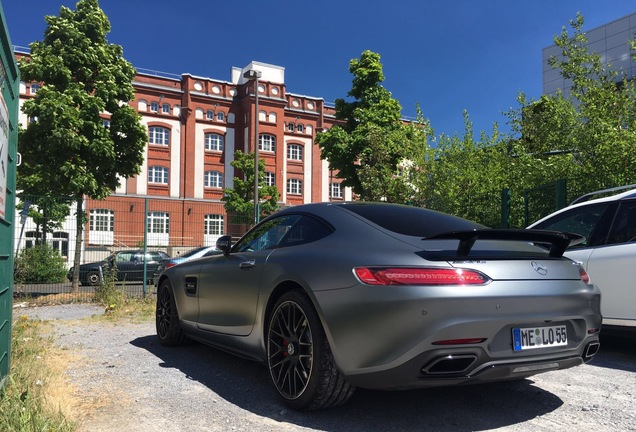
x: 464, y: 408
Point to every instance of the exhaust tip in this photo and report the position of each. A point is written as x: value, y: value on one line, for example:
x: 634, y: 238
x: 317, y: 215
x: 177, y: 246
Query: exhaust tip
x: 591, y: 349
x: 449, y: 364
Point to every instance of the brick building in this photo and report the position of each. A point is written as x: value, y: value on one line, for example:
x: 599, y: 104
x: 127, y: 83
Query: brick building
x: 195, y: 125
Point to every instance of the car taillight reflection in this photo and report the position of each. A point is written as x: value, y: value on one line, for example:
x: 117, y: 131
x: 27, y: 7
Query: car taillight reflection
x: 170, y: 264
x: 584, y: 276
x: 419, y: 276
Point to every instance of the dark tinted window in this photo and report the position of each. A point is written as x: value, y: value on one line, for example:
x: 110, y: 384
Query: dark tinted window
x: 284, y: 231
x: 413, y: 221
x: 586, y: 221
x: 624, y: 226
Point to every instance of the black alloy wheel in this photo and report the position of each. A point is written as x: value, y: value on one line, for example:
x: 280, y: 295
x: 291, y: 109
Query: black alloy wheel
x: 167, y: 319
x: 299, y: 359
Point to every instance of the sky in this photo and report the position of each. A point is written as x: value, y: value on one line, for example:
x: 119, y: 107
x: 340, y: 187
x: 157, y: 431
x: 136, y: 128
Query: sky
x: 447, y: 56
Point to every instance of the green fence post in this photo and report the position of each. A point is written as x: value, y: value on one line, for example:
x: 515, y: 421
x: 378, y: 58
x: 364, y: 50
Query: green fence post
x: 506, y: 195
x: 9, y: 80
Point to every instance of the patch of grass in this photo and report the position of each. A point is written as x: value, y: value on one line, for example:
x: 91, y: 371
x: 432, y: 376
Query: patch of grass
x: 131, y: 309
x: 26, y: 403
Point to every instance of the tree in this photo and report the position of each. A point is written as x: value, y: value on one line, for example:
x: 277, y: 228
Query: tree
x: 589, y: 137
x: 240, y: 199
x: 67, y: 151
x: 368, y: 146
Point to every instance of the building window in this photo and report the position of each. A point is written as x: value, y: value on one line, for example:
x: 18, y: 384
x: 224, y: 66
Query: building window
x: 295, y: 152
x: 270, y: 178
x: 101, y: 226
x: 158, y: 175
x: 209, y: 115
x: 220, y: 116
x: 213, y: 228
x: 154, y: 107
x: 60, y: 243
x: 213, y: 179
x: 159, y: 135
x: 165, y: 108
x: 294, y: 186
x: 290, y: 127
x: 158, y: 228
x: 213, y: 142
x: 34, y: 88
x: 267, y: 143
x: 106, y: 123
x: 336, y: 191
x: 300, y: 128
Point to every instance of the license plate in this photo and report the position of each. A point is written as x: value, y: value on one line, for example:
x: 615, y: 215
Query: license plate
x: 538, y: 337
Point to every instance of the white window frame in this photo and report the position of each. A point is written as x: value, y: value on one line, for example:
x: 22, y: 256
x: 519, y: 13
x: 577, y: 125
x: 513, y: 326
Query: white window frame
x: 294, y: 186
x: 34, y: 87
x: 159, y: 135
x: 270, y: 178
x: 158, y: 227
x: 165, y: 108
x: 209, y: 115
x: 101, y: 227
x: 335, y: 190
x: 267, y: 143
x: 220, y: 116
x: 158, y: 175
x: 154, y: 107
x: 213, y: 228
x: 213, y: 179
x: 295, y: 152
x: 214, y: 142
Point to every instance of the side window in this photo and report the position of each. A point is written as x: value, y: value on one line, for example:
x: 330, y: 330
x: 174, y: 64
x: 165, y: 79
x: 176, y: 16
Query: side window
x: 624, y: 226
x: 305, y: 230
x: 285, y: 231
x: 587, y: 221
x: 267, y: 235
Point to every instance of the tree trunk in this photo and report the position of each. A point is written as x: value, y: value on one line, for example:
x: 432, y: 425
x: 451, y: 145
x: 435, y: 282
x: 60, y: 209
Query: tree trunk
x: 78, y: 244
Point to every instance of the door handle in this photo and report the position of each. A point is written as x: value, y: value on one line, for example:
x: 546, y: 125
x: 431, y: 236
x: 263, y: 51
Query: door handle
x: 246, y: 265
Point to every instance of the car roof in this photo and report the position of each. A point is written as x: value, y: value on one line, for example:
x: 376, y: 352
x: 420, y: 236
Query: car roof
x: 617, y: 197
x: 631, y: 192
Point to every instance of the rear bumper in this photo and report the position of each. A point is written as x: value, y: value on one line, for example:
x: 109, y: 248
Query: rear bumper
x: 468, y: 366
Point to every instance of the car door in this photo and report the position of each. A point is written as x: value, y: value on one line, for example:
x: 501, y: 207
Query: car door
x: 126, y: 262
x: 228, y: 285
x: 612, y: 266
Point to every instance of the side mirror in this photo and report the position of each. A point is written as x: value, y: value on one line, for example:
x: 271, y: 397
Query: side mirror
x: 224, y: 244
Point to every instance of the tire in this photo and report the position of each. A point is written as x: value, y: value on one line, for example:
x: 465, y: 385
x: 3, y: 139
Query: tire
x: 167, y: 322
x: 92, y: 278
x: 299, y: 359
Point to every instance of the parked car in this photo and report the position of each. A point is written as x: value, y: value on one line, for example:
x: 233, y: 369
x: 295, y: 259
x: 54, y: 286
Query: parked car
x: 336, y: 296
x: 195, y: 253
x: 608, y: 253
x: 129, y: 265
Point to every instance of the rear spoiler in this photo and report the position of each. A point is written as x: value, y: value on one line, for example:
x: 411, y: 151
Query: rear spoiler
x: 558, y: 241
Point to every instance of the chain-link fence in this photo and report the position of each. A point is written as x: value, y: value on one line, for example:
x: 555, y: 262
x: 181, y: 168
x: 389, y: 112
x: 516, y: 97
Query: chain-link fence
x: 129, y: 236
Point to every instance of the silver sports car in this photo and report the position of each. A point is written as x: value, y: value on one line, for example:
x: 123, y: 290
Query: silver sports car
x: 336, y: 296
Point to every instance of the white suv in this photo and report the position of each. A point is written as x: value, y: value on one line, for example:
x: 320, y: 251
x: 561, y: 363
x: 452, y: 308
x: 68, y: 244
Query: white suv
x: 608, y: 253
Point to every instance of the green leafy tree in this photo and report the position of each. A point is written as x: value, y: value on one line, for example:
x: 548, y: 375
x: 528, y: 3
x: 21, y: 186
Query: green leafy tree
x: 588, y: 137
x: 239, y: 200
x: 369, y: 144
x: 67, y: 151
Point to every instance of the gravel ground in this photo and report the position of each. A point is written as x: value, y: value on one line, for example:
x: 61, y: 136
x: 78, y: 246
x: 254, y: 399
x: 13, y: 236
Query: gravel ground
x: 132, y: 383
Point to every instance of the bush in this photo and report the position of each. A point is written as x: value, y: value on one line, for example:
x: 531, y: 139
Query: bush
x: 40, y: 264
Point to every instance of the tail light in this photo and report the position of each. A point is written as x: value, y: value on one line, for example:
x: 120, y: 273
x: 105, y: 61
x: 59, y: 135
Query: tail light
x: 584, y: 276
x: 170, y: 264
x: 419, y: 276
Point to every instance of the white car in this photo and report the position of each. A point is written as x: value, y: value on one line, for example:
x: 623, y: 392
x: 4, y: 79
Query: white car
x: 608, y: 253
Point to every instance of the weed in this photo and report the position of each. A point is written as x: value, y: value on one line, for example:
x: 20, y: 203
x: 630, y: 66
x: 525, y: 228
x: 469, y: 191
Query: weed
x: 24, y: 406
